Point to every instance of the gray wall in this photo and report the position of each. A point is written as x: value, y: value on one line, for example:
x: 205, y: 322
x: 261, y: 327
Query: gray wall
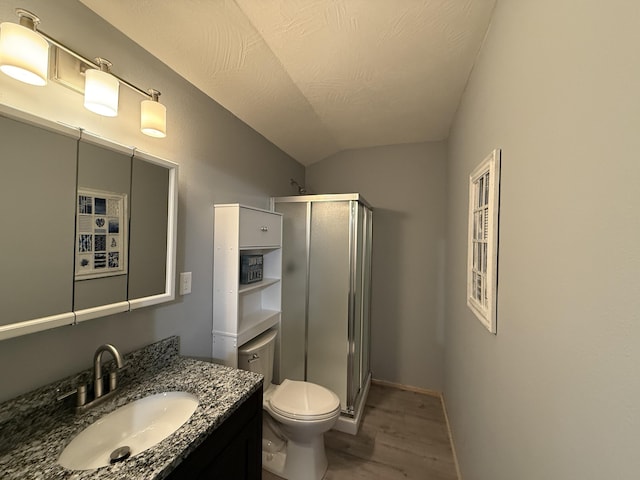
x: 406, y: 186
x: 555, y: 395
x: 221, y: 159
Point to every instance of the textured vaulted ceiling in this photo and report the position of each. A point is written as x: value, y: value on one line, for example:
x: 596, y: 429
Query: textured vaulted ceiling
x: 318, y: 76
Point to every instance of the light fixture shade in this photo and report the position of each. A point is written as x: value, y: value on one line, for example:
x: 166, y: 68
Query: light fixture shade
x: 101, y: 93
x: 153, y: 118
x: 24, y: 54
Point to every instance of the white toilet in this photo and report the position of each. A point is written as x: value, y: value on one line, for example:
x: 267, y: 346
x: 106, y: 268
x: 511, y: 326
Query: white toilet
x: 296, y: 416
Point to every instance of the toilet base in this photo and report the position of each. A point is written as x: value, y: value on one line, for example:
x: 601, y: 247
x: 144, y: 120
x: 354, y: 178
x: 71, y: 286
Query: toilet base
x: 298, y: 461
x: 274, y: 462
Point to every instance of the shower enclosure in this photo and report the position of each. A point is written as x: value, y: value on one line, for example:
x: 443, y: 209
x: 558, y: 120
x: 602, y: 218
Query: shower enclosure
x: 326, y: 280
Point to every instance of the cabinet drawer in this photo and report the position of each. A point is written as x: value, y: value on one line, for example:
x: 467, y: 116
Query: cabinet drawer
x: 259, y: 229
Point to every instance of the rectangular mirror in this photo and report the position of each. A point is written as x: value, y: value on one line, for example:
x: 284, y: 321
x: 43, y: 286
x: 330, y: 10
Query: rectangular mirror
x: 37, y: 195
x: 148, y: 234
x: 153, y: 232
x: 89, y: 226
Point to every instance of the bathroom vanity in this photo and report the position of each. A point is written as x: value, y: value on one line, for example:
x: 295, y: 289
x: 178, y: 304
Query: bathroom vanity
x: 222, y: 439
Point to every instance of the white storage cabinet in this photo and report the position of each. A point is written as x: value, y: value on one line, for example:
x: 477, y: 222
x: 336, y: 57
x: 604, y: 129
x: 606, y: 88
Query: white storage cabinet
x: 241, y: 312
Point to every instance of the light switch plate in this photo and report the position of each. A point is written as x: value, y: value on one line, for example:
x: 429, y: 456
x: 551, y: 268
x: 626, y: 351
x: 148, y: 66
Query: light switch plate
x: 185, y: 283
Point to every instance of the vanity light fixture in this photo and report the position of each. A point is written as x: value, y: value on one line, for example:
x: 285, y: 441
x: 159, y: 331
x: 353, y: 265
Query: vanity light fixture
x: 101, y: 89
x: 153, y: 116
x: 24, y: 55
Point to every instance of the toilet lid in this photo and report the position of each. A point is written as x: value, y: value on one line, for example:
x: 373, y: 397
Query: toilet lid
x: 304, y: 400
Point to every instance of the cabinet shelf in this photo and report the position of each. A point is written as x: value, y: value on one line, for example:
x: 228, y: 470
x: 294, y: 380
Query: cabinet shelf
x: 256, y: 323
x: 264, y: 283
x: 253, y: 325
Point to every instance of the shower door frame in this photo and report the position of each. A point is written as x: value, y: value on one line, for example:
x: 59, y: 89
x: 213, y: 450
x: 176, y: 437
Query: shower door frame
x: 354, y: 392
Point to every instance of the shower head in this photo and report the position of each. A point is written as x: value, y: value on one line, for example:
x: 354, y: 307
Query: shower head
x: 301, y: 189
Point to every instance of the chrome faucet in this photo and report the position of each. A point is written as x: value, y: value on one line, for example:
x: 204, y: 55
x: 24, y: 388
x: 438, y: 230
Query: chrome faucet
x: 97, y: 368
x: 83, y: 399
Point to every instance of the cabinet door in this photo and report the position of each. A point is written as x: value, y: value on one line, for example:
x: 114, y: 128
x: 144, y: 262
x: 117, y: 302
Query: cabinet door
x: 242, y: 457
x: 37, y: 198
x: 232, y: 452
x: 259, y: 229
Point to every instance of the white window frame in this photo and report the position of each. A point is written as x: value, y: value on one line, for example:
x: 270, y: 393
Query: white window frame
x: 482, y: 253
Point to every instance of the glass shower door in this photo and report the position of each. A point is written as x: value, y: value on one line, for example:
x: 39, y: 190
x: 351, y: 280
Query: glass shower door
x: 359, y: 321
x: 294, y: 290
x: 329, y: 297
x: 355, y: 323
x: 366, y: 300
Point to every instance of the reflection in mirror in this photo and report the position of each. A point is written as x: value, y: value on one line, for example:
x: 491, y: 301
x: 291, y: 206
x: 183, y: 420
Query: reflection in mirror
x: 68, y: 207
x: 37, y: 193
x: 148, y: 234
x: 104, y: 175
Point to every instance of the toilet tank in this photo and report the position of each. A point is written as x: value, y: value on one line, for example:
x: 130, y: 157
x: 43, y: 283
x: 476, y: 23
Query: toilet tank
x: 257, y: 355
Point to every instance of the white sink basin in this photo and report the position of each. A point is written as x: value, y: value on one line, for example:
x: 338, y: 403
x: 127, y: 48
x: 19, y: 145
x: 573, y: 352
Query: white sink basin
x: 138, y: 425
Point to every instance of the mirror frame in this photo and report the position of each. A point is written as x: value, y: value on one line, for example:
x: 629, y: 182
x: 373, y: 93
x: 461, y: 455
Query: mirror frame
x: 74, y: 317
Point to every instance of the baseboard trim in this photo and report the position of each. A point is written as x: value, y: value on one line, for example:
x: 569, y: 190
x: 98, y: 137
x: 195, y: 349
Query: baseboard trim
x: 432, y: 393
x: 408, y: 388
x: 453, y: 446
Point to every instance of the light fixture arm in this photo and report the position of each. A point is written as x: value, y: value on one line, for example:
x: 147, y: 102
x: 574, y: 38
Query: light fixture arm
x: 90, y: 63
x: 28, y: 19
x: 104, y: 65
x: 153, y: 94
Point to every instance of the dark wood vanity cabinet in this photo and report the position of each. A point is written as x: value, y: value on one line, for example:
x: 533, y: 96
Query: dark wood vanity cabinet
x: 233, y: 451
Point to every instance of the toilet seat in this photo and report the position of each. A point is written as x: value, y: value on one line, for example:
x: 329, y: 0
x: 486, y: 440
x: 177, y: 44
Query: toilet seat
x: 298, y: 400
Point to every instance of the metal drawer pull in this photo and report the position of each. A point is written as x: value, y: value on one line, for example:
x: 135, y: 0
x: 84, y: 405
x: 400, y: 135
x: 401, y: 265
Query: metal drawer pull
x: 264, y: 229
x: 254, y: 358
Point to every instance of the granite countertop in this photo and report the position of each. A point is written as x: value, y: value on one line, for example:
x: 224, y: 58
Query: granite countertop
x: 35, y: 428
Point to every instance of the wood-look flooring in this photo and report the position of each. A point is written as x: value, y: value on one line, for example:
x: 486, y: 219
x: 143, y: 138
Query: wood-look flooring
x: 403, y: 435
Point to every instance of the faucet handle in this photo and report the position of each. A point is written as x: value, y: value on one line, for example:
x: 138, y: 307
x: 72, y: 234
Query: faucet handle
x: 65, y: 395
x: 113, y: 379
x: 80, y: 392
x: 82, y: 395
